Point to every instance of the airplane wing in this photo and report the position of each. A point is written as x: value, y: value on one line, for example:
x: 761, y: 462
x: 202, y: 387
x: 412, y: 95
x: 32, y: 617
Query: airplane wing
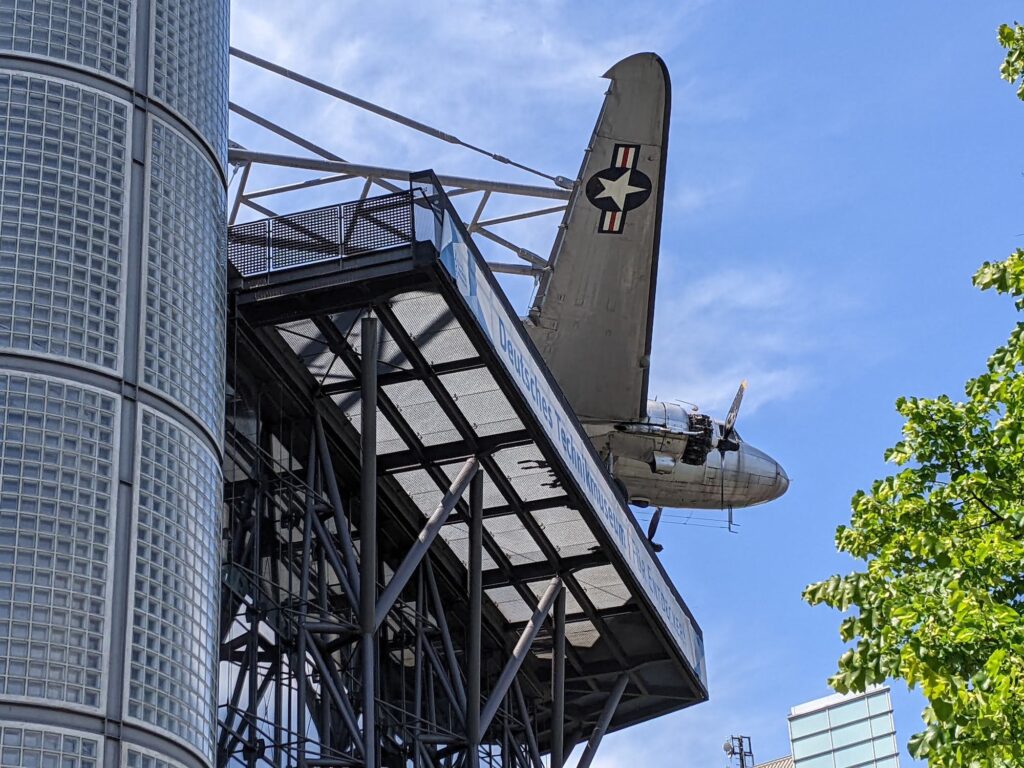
x: 593, y: 314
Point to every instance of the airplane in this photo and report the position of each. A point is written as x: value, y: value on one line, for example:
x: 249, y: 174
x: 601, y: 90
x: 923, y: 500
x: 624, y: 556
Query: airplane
x: 592, y: 316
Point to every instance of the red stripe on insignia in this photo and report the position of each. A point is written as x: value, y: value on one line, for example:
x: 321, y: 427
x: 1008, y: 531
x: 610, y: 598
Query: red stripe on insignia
x: 627, y: 157
x: 614, y: 220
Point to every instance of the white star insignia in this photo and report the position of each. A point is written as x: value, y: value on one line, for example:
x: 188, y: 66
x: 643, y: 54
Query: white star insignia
x: 617, y: 190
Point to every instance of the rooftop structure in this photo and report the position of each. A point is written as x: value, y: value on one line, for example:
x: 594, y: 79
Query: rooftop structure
x: 324, y: 449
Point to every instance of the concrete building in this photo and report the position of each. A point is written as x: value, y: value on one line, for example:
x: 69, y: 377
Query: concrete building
x: 113, y: 143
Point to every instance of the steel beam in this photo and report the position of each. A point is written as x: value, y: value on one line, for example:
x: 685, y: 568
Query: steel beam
x: 455, y: 679
x: 558, y: 685
x: 368, y: 535
x: 340, y: 520
x: 603, y: 721
x: 237, y: 155
x: 522, y: 648
x: 424, y: 540
x: 524, y: 715
x: 476, y: 546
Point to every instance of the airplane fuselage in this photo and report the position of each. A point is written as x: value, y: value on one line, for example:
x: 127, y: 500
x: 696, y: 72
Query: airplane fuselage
x: 671, y: 458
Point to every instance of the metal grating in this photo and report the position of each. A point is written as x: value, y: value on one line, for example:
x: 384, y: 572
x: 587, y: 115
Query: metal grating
x: 305, y: 238
x: 249, y: 247
x: 377, y: 223
x: 323, y: 234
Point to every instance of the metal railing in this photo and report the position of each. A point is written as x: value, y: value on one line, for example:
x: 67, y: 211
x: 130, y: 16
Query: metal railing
x: 332, y: 233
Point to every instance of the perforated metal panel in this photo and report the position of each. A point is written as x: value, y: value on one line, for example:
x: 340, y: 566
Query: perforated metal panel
x: 249, y: 247
x: 338, y: 231
x: 377, y: 223
x: 305, y: 238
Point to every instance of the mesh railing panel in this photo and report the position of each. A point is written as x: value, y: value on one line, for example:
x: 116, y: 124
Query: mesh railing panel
x: 249, y: 247
x: 301, y: 238
x: 324, y: 234
x: 377, y: 223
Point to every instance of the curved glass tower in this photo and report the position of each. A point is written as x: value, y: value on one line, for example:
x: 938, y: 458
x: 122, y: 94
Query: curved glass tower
x: 113, y: 140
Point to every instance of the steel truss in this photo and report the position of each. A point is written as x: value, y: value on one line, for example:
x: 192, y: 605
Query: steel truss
x: 543, y: 199
x: 329, y: 657
x: 349, y: 634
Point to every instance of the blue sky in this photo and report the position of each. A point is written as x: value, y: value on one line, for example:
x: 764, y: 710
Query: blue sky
x: 836, y: 173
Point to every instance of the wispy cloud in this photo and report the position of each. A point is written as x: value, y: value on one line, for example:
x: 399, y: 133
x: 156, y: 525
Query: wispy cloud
x: 730, y: 325
x: 743, y: 701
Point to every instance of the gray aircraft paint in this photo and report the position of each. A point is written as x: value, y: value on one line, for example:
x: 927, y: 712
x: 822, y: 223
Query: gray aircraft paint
x: 593, y: 316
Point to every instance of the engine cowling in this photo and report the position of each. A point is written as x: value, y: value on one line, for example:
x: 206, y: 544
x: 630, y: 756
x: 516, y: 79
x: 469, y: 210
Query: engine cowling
x: 661, y: 463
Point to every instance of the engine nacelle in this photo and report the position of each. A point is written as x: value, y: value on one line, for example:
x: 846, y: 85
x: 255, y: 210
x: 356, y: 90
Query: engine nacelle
x: 661, y: 463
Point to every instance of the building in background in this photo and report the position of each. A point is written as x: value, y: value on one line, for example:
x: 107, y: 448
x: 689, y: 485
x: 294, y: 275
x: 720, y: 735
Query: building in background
x: 842, y: 731
x: 113, y: 144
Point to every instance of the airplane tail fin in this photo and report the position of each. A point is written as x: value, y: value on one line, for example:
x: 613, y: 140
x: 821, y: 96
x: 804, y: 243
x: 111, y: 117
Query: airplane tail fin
x: 592, y: 317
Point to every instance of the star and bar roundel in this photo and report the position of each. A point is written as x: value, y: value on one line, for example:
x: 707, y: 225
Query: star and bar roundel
x: 618, y: 189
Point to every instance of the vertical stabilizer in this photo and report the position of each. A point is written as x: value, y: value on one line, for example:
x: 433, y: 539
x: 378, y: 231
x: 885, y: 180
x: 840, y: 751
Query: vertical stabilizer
x: 592, y: 318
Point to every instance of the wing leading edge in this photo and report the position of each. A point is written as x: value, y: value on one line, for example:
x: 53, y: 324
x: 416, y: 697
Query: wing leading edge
x: 592, y: 318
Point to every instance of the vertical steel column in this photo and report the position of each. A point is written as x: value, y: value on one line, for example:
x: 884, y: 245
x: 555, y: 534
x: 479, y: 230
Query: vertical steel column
x: 522, y: 648
x: 476, y: 543
x: 368, y: 533
x: 558, y: 686
x: 299, y: 670
x: 603, y: 721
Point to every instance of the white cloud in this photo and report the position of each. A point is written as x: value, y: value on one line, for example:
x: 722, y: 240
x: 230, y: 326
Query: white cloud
x: 730, y: 325
x: 742, y: 700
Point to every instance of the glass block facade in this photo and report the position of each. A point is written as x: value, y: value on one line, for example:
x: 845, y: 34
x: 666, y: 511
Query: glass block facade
x: 113, y: 141
x: 190, y: 69
x: 63, y: 185
x: 92, y: 34
x: 57, y: 465
x: 184, y: 297
x: 173, y: 649
x: 845, y: 732
x: 22, y: 744
x: 141, y: 758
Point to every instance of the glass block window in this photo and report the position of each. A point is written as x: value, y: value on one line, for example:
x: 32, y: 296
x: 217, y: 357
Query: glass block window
x: 190, y: 65
x: 138, y: 758
x: 22, y: 744
x: 63, y: 177
x: 57, y: 486
x: 185, y: 279
x: 93, y: 34
x: 173, y: 664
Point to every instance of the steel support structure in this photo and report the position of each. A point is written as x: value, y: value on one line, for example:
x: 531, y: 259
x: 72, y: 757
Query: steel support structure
x: 338, y: 652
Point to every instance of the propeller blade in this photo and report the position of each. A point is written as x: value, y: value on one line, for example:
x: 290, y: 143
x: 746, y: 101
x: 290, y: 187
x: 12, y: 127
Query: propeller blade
x: 734, y: 409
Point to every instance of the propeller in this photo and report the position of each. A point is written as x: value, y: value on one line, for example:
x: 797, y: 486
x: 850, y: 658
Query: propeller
x: 653, y: 529
x: 726, y: 442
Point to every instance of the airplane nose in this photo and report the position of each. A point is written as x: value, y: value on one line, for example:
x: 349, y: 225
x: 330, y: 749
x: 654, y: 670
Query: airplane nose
x: 766, y: 477
x: 781, y: 481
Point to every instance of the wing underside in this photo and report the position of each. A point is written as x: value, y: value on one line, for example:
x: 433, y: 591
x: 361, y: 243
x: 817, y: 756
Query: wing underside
x: 592, y: 317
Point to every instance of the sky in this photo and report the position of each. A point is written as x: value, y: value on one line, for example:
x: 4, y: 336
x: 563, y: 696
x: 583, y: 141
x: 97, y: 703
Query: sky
x: 836, y: 173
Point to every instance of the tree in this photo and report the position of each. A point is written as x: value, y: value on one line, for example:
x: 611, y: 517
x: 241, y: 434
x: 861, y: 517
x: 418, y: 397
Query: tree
x: 940, y: 601
x: 1012, y: 70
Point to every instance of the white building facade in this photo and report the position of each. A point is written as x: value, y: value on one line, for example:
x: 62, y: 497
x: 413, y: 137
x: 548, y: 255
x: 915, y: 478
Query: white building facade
x: 845, y: 731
